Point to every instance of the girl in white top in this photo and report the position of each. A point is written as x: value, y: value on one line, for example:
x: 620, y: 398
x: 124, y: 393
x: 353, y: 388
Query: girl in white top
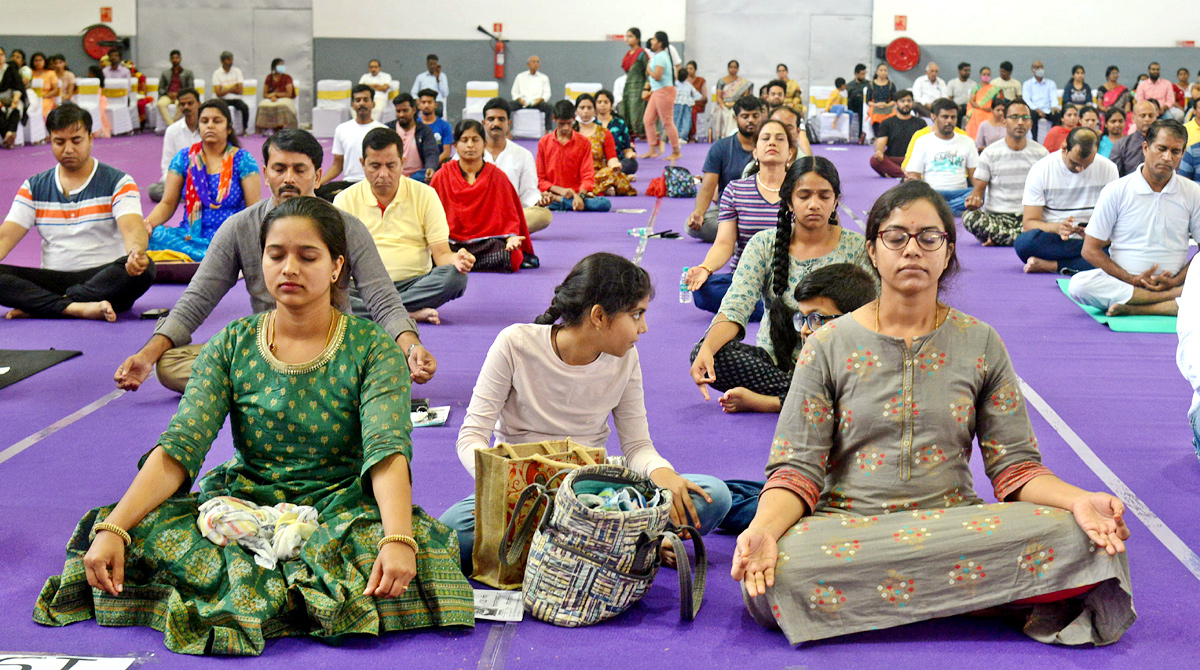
x: 564, y: 375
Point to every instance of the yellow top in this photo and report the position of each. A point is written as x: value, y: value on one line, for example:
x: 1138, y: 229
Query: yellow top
x: 1193, y: 129
x: 403, y: 233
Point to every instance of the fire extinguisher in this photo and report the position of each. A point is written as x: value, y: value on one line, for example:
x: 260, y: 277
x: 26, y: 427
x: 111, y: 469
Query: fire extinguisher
x: 499, y: 47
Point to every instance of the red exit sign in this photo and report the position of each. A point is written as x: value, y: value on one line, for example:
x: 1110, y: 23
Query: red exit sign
x: 901, y: 22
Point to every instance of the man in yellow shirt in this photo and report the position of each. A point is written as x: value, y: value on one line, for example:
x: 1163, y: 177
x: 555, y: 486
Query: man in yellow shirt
x: 408, y: 224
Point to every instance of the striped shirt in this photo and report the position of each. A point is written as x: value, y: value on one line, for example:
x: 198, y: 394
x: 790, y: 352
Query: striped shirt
x: 78, y: 229
x: 1062, y: 193
x: 1005, y: 170
x: 744, y: 205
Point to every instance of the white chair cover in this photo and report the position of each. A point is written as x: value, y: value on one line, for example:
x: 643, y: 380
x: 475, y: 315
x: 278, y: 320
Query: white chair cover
x: 87, y: 96
x: 619, y: 89
x: 528, y: 123
x: 478, y: 93
x: 573, y: 89
x: 333, y: 106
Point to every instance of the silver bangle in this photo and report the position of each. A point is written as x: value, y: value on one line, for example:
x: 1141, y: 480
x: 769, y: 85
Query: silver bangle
x: 412, y: 346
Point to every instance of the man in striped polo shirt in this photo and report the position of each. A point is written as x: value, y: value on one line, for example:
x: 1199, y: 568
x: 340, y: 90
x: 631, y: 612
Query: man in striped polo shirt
x: 89, y: 215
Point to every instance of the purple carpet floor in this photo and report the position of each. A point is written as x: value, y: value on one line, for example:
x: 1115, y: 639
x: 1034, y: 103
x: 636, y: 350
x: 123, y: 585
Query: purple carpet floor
x: 1118, y: 394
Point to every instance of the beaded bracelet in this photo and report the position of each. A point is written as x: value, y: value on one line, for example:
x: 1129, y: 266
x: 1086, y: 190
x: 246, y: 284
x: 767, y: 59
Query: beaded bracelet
x: 399, y: 538
x: 114, y: 529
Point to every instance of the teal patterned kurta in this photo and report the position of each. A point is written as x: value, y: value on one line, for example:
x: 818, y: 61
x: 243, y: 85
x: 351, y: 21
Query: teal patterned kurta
x: 755, y: 273
x: 875, y: 436
x: 305, y: 434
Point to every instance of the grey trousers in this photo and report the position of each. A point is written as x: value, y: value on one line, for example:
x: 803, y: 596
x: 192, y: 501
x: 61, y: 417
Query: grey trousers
x: 708, y: 231
x: 433, y: 289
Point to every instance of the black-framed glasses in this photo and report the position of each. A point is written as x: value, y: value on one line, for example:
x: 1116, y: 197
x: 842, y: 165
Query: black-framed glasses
x: 929, y: 239
x: 1019, y: 117
x: 814, y: 320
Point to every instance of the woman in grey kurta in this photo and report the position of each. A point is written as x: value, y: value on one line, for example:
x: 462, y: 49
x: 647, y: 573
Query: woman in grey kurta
x: 869, y: 518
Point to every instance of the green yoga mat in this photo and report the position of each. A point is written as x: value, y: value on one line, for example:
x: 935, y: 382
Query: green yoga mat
x: 1125, y: 324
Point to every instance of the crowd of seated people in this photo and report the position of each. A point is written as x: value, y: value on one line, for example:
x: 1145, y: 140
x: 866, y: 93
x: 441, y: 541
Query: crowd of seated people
x: 419, y: 205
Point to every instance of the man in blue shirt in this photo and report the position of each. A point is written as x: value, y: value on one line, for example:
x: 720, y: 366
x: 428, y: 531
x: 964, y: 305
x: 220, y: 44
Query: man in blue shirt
x: 1042, y: 96
x: 725, y: 161
x: 442, y: 132
x: 433, y: 78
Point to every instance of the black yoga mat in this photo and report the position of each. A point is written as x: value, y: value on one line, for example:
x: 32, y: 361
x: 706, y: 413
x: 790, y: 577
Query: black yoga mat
x: 22, y: 363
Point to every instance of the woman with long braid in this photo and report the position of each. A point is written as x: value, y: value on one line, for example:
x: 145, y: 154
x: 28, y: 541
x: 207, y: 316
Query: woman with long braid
x: 806, y: 236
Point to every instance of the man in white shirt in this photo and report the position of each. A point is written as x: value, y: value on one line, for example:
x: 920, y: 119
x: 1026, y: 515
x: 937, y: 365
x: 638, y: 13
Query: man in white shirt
x: 517, y: 163
x: 1003, y: 167
x: 1145, y: 220
x: 531, y: 89
x: 380, y: 82
x: 347, y: 144
x: 227, y: 84
x: 1060, y: 193
x: 945, y: 159
x: 180, y: 135
x: 959, y: 90
x: 432, y: 78
x: 927, y: 89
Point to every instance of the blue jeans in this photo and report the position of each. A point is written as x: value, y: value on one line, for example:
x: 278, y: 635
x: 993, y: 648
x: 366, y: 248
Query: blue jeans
x: 597, y: 204
x: 1051, y: 247
x: 744, y: 495
x: 957, y: 199
x: 683, y: 120
x: 1194, y: 419
x: 461, y: 515
x: 709, y: 296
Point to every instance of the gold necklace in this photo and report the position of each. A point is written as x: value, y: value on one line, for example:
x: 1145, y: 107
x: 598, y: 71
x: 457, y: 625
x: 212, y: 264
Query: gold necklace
x: 271, y: 329
x: 937, y: 323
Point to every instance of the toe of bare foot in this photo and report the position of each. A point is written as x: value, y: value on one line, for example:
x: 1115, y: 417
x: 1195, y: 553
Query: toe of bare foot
x: 1040, y: 265
x: 1118, y: 309
x: 675, y: 156
x: 107, y: 312
x: 16, y: 314
x: 426, y: 315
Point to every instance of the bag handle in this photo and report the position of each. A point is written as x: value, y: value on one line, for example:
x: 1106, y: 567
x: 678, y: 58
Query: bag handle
x: 510, y: 553
x: 691, y: 586
x: 544, y: 460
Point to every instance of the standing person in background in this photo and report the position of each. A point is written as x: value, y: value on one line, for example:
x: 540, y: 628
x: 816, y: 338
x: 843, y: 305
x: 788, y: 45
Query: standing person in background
x: 380, y: 82
x: 531, y: 90
x: 881, y: 97
x: 730, y: 88
x: 793, y: 96
x: 686, y: 97
x: 171, y: 82
x: 227, y: 85
x: 278, y: 109
x: 959, y: 90
x: 632, y: 107
x: 432, y: 78
x: 701, y: 87
x: 855, y: 95
x: 662, y: 98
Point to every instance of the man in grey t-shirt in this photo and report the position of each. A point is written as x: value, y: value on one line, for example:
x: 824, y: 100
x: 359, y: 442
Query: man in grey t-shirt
x: 293, y: 160
x: 1003, y: 167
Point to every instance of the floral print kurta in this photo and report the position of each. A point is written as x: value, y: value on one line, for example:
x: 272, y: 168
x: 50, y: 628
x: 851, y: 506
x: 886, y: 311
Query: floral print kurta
x: 607, y: 177
x: 306, y: 434
x: 875, y: 436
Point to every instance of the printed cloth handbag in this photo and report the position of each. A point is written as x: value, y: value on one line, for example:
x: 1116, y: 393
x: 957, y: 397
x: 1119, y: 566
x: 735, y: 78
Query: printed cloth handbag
x: 588, y: 564
x: 679, y: 182
x: 502, y: 473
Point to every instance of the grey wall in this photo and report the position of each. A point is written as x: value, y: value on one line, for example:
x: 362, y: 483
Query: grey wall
x: 470, y: 60
x: 70, y: 46
x: 1057, y: 61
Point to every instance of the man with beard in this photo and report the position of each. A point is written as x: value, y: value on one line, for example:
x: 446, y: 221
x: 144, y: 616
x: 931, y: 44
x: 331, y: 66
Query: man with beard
x: 1154, y: 87
x: 725, y: 161
x: 945, y: 159
x: 292, y: 161
x: 421, y: 147
x: 517, y: 164
x: 1003, y: 167
x: 894, y: 135
x: 1145, y: 220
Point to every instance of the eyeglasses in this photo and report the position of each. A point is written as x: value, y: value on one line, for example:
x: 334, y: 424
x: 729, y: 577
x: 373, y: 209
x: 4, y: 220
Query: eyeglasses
x: 814, y: 320
x: 1019, y: 117
x: 928, y: 239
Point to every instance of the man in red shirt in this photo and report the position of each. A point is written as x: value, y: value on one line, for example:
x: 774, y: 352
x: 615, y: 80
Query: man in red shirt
x: 564, y: 165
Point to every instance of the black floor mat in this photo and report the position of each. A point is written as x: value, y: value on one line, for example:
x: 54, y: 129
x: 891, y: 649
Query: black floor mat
x: 22, y: 363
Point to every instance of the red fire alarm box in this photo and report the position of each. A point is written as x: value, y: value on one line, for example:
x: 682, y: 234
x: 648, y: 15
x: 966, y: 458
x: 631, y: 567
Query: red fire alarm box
x: 106, y: 14
x: 901, y: 22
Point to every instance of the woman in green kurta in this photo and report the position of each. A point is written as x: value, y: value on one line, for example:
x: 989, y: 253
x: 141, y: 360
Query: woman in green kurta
x: 319, y: 408
x: 632, y: 106
x: 869, y: 518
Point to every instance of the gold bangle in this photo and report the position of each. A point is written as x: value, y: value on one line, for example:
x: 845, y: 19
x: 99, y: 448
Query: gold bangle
x: 399, y: 538
x: 705, y: 268
x: 114, y: 529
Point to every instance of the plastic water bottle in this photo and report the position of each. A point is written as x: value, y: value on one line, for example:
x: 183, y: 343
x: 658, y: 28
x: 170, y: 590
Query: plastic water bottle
x: 639, y: 232
x: 685, y: 294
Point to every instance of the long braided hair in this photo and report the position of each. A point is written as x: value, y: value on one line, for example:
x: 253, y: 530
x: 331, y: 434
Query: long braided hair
x: 783, y: 333
x: 610, y: 281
